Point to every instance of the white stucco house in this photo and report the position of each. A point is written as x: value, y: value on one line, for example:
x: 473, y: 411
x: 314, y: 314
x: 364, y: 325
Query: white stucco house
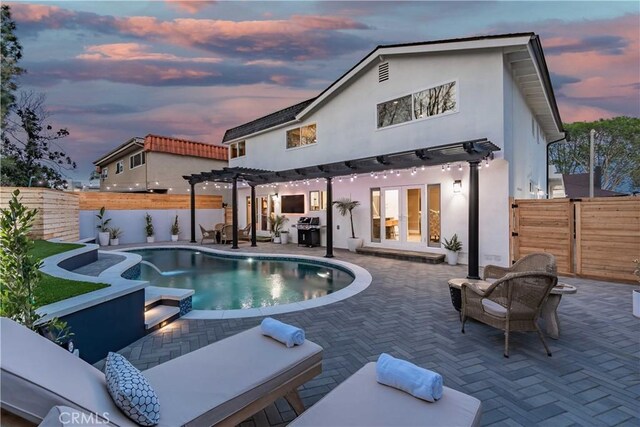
x: 413, y: 99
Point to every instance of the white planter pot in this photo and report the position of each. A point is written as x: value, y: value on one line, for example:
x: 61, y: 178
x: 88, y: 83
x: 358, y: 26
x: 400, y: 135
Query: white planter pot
x: 114, y: 242
x: 103, y: 238
x: 151, y: 239
x: 354, y: 244
x: 276, y: 240
x: 636, y: 302
x: 284, y: 238
x: 452, y: 257
x: 174, y: 237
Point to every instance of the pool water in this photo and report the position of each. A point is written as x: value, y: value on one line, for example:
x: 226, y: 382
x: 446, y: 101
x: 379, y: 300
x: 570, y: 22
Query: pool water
x: 222, y: 283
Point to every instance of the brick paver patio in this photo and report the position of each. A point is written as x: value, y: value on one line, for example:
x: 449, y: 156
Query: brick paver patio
x: 593, y: 377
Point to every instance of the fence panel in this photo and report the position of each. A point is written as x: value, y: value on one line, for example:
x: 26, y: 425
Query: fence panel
x: 57, y: 211
x: 607, y: 237
x: 544, y: 226
x: 145, y: 201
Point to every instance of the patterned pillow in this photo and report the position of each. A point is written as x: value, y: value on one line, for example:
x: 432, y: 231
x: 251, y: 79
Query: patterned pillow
x: 131, y: 391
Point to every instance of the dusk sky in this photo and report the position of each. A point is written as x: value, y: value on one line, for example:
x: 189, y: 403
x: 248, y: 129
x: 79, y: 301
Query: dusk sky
x: 114, y: 70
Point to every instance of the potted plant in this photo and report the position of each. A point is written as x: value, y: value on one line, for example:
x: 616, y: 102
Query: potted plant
x: 114, y: 235
x: 636, y: 292
x: 452, y: 247
x: 284, y: 237
x: 346, y: 206
x: 175, y: 230
x: 149, y: 228
x: 277, y: 222
x: 103, y: 233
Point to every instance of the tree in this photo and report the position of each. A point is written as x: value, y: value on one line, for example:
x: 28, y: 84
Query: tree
x: 346, y: 206
x: 617, y: 151
x: 30, y: 149
x: 11, y: 54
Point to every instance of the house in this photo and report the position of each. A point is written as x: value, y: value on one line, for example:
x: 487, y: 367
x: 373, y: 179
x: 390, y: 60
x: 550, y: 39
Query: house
x: 432, y: 138
x: 156, y: 164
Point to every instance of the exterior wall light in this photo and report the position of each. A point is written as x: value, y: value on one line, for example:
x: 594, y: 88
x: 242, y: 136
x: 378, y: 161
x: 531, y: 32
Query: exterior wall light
x: 457, y: 186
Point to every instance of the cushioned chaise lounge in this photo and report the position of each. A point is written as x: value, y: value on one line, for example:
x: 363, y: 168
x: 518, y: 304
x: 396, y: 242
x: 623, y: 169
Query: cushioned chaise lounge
x: 220, y: 384
x: 362, y: 401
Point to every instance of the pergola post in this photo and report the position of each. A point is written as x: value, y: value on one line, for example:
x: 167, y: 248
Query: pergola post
x: 329, y: 253
x: 193, y: 211
x: 253, y: 216
x: 234, y: 212
x: 474, y: 222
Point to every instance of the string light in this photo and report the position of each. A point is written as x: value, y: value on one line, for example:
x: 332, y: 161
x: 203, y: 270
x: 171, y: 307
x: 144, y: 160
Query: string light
x: 422, y: 168
x: 442, y: 168
x: 448, y: 166
x: 397, y: 173
x: 384, y: 175
x: 486, y: 163
x: 460, y: 166
x: 375, y: 176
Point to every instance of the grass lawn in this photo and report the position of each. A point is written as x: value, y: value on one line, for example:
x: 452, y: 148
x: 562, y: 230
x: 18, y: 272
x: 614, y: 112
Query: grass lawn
x: 53, y: 289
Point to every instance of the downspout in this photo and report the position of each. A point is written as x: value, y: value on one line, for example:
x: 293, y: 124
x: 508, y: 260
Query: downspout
x: 547, y: 163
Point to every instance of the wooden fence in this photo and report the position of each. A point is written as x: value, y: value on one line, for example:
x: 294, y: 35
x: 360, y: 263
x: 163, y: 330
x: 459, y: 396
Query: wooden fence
x: 597, y: 237
x: 58, y: 211
x: 145, y: 201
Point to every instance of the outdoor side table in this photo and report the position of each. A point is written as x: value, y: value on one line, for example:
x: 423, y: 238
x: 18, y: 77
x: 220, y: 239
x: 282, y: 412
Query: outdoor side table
x: 455, y: 289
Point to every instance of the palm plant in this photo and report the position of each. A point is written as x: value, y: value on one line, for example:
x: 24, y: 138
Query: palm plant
x: 453, y: 245
x: 148, y: 224
x: 115, y: 233
x: 277, y: 222
x: 104, y: 222
x: 345, y: 206
x: 175, y: 227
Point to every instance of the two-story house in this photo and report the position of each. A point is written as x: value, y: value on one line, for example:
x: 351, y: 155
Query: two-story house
x: 406, y: 97
x: 157, y: 163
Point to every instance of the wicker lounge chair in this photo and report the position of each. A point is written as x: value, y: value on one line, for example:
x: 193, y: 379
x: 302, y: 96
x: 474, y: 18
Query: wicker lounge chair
x: 512, y: 303
x: 361, y: 401
x: 207, y: 234
x: 220, y: 384
x: 534, y: 262
x: 245, y: 233
x: 226, y: 234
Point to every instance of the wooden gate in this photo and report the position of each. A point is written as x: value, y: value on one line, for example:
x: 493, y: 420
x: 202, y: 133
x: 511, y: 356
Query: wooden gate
x: 598, y: 237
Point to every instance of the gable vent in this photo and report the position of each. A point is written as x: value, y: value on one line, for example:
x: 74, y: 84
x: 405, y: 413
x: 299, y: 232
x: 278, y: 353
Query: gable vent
x: 383, y: 72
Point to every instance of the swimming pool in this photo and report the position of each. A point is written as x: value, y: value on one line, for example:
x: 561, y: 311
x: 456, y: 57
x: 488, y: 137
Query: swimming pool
x: 229, y: 282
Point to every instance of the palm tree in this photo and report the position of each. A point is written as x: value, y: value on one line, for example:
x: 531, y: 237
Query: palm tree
x: 347, y: 205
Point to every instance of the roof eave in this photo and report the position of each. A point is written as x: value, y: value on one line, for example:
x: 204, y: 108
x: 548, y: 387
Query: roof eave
x: 260, y: 132
x: 119, y: 150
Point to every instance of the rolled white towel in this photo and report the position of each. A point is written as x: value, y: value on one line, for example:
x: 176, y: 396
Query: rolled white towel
x: 283, y: 332
x: 405, y: 376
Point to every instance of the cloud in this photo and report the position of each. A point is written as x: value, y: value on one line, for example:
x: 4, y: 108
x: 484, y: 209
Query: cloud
x: 605, y: 44
x: 189, y: 6
x: 134, y: 52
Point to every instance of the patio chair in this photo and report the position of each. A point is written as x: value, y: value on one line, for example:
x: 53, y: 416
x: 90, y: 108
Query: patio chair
x: 220, y: 384
x: 245, y: 233
x: 539, y: 261
x: 512, y: 303
x: 226, y: 235
x: 207, y: 234
x: 361, y: 401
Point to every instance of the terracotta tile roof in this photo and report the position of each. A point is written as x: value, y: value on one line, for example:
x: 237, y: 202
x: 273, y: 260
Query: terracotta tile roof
x: 163, y: 144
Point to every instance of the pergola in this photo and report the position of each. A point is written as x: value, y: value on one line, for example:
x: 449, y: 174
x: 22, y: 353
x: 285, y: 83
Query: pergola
x: 473, y: 152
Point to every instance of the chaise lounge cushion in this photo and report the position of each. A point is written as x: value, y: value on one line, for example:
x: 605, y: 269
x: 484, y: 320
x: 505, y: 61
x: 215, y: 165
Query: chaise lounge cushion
x: 208, y: 385
x: 361, y: 401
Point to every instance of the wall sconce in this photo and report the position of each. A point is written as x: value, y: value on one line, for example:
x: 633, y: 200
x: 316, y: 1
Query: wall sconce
x: 457, y: 186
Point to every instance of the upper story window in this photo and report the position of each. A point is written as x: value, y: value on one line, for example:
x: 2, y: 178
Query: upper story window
x: 302, y: 136
x: 104, y: 173
x: 238, y: 149
x: 136, y: 160
x: 120, y: 167
x: 430, y: 102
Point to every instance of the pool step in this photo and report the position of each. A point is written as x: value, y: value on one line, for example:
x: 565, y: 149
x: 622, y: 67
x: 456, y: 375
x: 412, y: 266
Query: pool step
x: 155, y: 295
x: 424, y: 257
x: 159, y: 316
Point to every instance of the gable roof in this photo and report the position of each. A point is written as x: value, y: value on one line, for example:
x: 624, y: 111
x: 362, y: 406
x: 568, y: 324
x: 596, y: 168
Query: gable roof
x: 271, y: 120
x: 165, y: 144
x: 528, y: 42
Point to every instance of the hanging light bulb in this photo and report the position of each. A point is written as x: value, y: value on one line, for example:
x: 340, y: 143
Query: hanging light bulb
x: 460, y: 166
x: 340, y: 179
x: 317, y: 179
x: 486, y: 163
x: 397, y: 173
x: 375, y: 175
x: 422, y: 167
x: 442, y: 168
x: 448, y: 166
x: 479, y: 165
x: 384, y: 175
x: 351, y: 179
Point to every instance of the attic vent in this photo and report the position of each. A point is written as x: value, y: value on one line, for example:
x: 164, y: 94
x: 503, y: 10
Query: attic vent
x: 383, y: 72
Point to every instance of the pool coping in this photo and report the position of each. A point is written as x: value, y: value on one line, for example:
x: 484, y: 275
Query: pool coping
x: 362, y: 279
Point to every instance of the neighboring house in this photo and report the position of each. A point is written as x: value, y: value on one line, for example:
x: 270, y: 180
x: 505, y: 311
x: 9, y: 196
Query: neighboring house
x: 157, y: 163
x: 576, y: 185
x: 412, y: 97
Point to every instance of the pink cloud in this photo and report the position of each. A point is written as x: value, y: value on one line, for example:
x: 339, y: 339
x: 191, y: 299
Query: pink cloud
x: 190, y: 6
x: 24, y: 12
x: 134, y: 52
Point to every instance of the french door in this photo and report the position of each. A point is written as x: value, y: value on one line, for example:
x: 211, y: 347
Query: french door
x: 402, y: 220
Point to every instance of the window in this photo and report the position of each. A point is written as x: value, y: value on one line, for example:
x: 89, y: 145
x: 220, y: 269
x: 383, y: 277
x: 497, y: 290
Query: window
x: 136, y: 160
x: 317, y: 200
x: 120, y: 167
x: 430, y: 102
x: 237, y: 149
x: 302, y: 136
x: 104, y: 173
x: 375, y: 215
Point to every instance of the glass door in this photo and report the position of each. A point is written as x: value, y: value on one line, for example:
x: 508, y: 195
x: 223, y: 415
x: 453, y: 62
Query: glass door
x: 392, y: 209
x: 402, y: 221
x: 412, y: 214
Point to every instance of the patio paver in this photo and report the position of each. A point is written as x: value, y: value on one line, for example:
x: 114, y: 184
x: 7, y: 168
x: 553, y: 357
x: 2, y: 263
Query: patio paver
x: 593, y: 377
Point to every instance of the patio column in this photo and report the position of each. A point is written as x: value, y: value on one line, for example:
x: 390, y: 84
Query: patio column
x: 329, y: 219
x: 474, y: 223
x: 234, y: 212
x: 193, y: 211
x: 253, y: 216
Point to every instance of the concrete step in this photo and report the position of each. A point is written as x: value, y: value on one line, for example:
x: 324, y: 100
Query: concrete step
x: 414, y: 256
x: 153, y: 294
x: 158, y: 314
